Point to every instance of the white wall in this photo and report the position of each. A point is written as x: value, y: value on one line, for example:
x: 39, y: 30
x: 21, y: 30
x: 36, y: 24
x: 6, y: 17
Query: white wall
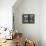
x: 43, y: 22
x: 31, y: 31
x: 6, y: 13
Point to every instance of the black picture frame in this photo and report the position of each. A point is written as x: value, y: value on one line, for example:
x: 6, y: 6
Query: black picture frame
x: 28, y: 18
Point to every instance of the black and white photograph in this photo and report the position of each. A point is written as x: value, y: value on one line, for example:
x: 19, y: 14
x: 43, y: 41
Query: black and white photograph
x: 28, y: 18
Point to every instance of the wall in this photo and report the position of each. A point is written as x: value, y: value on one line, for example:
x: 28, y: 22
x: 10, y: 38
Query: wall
x: 30, y: 31
x: 6, y: 13
x: 43, y: 22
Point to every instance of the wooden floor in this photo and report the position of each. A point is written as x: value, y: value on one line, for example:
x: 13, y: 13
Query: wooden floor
x: 9, y: 43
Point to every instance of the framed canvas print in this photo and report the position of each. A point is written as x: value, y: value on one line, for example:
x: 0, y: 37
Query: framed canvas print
x: 28, y: 18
